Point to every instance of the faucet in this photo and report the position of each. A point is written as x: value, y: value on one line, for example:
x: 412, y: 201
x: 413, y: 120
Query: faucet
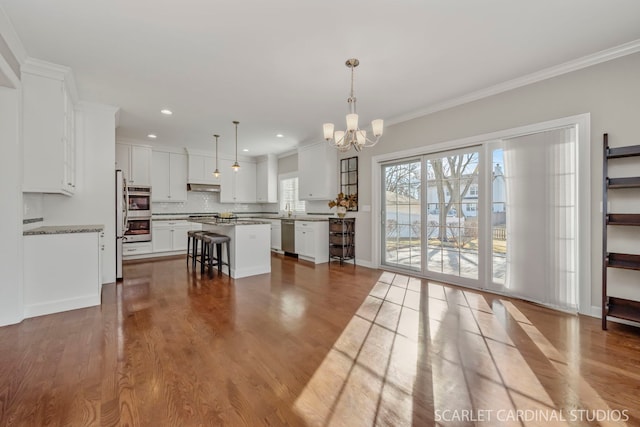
x: 288, y: 209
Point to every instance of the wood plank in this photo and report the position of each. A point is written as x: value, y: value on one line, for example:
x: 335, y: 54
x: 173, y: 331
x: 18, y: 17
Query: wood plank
x: 620, y: 152
x: 623, y: 219
x: 629, y: 182
x: 306, y: 345
x: 625, y: 261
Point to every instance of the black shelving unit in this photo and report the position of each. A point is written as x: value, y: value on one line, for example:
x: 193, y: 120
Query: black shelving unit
x: 613, y: 306
x: 342, y: 239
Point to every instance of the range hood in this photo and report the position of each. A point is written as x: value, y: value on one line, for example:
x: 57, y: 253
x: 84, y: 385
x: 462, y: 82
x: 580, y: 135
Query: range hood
x: 209, y: 188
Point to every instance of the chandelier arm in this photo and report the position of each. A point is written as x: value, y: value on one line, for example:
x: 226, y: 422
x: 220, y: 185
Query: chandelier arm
x: 354, y: 137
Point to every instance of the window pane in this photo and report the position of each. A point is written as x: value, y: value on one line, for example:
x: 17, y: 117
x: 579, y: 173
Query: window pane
x: 402, y: 200
x: 289, y: 195
x: 452, y: 211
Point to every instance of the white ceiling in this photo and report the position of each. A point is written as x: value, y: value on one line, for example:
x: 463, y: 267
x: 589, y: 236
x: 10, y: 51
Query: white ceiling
x: 278, y: 66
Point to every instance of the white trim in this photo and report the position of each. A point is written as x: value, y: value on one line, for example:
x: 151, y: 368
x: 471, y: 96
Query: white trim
x: 239, y: 273
x: 10, y: 36
x: 58, y: 306
x: 364, y: 263
x: 7, y: 74
x: 583, y: 123
x: 52, y: 71
x: 538, y: 76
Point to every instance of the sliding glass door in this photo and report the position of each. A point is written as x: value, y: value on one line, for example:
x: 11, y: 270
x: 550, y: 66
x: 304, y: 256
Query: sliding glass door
x: 402, y: 211
x: 452, y: 182
x: 499, y: 216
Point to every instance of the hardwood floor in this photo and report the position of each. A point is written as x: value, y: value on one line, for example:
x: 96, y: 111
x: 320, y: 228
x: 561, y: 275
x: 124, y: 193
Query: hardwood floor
x: 313, y: 346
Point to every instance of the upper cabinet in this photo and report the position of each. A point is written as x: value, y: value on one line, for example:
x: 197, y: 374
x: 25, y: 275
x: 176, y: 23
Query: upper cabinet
x: 267, y: 179
x: 317, y: 172
x: 135, y: 163
x: 240, y: 186
x: 201, y: 167
x: 168, y: 177
x: 48, y: 120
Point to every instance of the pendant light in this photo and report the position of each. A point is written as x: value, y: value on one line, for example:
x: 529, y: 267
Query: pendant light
x: 235, y: 165
x: 216, y: 173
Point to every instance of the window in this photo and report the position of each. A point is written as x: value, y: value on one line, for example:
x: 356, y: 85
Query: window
x: 288, y: 190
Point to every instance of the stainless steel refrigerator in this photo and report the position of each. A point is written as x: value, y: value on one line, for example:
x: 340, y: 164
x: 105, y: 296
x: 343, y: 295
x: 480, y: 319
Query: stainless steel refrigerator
x: 121, y: 219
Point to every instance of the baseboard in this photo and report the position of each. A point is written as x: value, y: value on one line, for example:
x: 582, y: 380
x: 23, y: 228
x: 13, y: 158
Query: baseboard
x: 364, y: 263
x: 245, y: 272
x: 42, y: 309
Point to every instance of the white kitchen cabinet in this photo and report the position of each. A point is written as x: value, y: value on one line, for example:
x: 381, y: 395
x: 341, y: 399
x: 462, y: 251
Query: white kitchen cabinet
x: 240, y: 186
x: 168, y: 177
x: 201, y: 168
x: 135, y: 163
x: 317, y: 172
x: 170, y: 236
x: 276, y: 235
x: 48, y: 128
x: 62, y: 272
x: 267, y: 179
x: 133, y: 249
x: 312, y: 240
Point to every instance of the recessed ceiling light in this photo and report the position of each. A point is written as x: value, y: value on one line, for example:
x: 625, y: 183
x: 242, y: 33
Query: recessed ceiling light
x: 280, y: 135
x: 152, y: 136
x: 167, y: 112
x: 245, y: 149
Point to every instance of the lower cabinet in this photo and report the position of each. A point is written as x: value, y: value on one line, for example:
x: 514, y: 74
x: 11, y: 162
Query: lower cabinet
x: 312, y: 241
x: 170, y: 236
x: 276, y: 235
x: 133, y: 249
x: 62, y: 272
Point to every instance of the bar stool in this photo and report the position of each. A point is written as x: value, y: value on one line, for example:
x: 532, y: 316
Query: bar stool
x: 208, y: 242
x: 193, y: 237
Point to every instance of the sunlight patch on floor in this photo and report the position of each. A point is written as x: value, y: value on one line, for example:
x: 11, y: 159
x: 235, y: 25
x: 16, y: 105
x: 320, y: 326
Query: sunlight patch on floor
x: 419, y: 352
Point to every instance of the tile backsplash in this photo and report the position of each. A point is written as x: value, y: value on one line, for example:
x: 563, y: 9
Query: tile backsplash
x: 201, y: 202
x: 32, y: 205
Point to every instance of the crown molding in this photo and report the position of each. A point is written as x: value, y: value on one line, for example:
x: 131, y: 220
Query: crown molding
x: 52, y: 71
x: 7, y: 76
x: 8, y: 33
x: 544, y: 74
x: 44, y: 68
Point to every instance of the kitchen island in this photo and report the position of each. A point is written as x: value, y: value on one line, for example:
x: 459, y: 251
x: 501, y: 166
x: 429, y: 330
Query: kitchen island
x: 250, y: 244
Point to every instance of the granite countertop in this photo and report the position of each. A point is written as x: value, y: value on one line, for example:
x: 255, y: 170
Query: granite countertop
x: 193, y: 217
x: 63, y: 229
x: 228, y: 223
x: 304, y: 218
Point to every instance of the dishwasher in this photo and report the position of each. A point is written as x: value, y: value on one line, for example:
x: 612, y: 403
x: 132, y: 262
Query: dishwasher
x: 288, y: 236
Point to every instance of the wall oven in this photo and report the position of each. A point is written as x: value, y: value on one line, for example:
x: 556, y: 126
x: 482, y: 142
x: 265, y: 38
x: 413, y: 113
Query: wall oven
x: 138, y: 230
x: 138, y: 202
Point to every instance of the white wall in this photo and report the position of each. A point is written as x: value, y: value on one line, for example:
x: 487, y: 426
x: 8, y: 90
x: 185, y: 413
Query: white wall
x: 11, y: 289
x: 610, y: 91
x: 94, y: 199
